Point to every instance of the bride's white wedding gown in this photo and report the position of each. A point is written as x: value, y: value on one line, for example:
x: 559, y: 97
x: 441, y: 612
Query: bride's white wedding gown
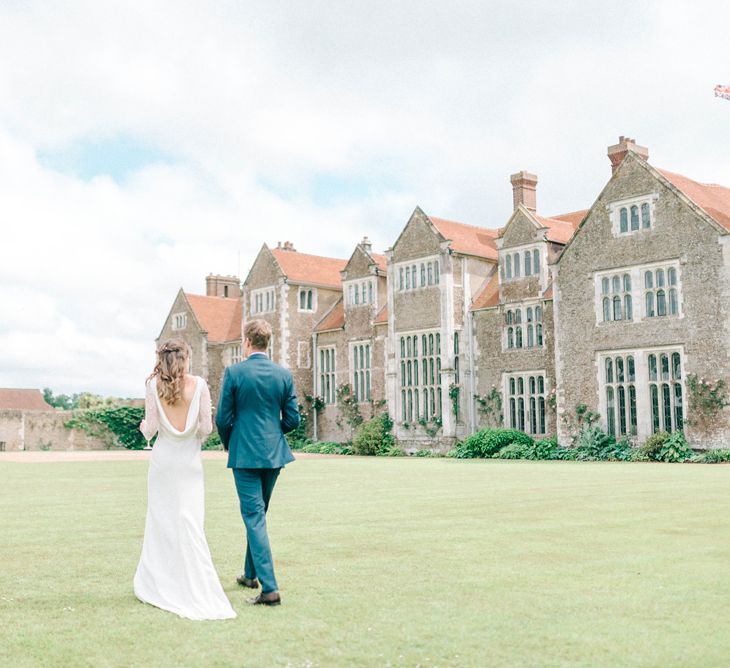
x: 175, y: 571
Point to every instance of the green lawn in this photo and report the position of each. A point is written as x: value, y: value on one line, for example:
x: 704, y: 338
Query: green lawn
x: 399, y: 562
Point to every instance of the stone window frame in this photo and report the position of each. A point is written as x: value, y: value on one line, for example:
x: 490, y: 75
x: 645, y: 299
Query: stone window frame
x: 355, y: 290
x: 419, y: 400
x: 263, y: 300
x: 515, y: 257
x: 526, y: 385
x: 427, y: 271
x: 643, y: 381
x: 638, y: 291
x: 236, y: 353
x: 638, y: 203
x: 361, y: 362
x: 179, y: 321
x: 304, y: 358
x: 310, y: 301
x: 521, y: 327
x: 327, y: 373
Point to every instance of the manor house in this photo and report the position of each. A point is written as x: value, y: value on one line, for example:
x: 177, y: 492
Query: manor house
x: 623, y: 307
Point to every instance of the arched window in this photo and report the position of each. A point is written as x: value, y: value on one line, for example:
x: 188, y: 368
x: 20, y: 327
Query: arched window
x: 436, y: 272
x: 634, y: 217
x: 408, y: 278
x: 509, y: 317
x: 610, y: 411
x: 538, y: 314
x: 509, y: 266
x: 661, y: 302
x: 645, y: 217
x: 660, y: 278
x: 628, y: 309
x: 401, y: 283
x: 357, y: 293
x: 518, y: 337
x: 423, y: 274
x: 624, y: 216
x: 530, y: 336
x: 538, y: 334
x: 605, y: 285
x: 649, y: 304
x: 430, y: 274
x: 518, y: 316
x: 627, y: 283
x: 536, y: 261
x: 516, y: 258
x: 648, y: 280
x: 673, y: 303
x: 528, y: 263
x: 616, y: 284
x: 617, y: 308
x: 609, y: 370
x: 606, y: 309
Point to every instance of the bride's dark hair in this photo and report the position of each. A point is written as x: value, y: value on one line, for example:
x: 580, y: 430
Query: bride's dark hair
x: 170, y: 370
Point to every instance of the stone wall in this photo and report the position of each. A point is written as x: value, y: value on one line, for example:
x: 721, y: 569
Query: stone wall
x: 43, y: 430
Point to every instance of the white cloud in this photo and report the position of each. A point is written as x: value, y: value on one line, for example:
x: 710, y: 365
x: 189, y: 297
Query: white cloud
x: 262, y: 108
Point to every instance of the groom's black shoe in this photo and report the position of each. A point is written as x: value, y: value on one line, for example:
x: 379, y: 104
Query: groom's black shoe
x: 251, y: 583
x: 272, y: 598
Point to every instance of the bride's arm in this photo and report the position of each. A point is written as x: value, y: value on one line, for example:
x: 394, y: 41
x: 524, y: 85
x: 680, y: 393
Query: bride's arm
x: 150, y: 424
x: 205, y: 420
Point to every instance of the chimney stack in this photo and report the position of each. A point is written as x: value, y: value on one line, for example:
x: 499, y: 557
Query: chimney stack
x: 617, y: 152
x: 524, y: 190
x: 287, y: 246
x: 366, y: 245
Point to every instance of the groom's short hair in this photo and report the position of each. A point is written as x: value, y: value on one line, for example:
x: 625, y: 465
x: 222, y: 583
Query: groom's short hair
x: 258, y: 332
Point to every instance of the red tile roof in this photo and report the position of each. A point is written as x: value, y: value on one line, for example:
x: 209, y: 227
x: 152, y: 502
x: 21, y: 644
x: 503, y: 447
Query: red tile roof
x: 489, y: 296
x: 382, y: 317
x: 333, y: 319
x: 468, y: 239
x: 381, y: 261
x: 310, y: 269
x: 714, y: 199
x: 219, y: 316
x: 28, y: 400
x: 562, y: 227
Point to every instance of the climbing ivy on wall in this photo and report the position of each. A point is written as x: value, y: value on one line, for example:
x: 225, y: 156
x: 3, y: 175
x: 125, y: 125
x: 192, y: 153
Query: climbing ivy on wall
x: 112, y: 425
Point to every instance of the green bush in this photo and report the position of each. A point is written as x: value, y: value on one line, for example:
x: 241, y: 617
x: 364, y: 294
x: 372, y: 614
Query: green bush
x: 213, y: 442
x: 546, y: 448
x: 675, y: 449
x: 719, y: 456
x: 425, y: 452
x: 653, y: 445
x: 113, y: 425
x: 374, y: 437
x: 487, y: 442
x: 515, y: 451
x: 329, y: 449
x: 394, y: 451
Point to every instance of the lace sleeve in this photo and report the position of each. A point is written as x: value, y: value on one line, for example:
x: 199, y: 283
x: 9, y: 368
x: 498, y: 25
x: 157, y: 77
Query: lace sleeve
x: 150, y: 424
x: 205, y: 420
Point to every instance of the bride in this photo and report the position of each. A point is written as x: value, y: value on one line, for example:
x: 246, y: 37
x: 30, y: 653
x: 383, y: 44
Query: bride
x: 175, y: 571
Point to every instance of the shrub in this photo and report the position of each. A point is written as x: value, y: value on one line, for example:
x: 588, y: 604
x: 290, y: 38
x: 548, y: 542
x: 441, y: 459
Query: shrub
x: 213, y: 442
x: 425, y: 452
x: 394, y: 451
x: 515, y: 451
x: 311, y: 448
x: 546, y: 448
x: 652, y: 446
x: 487, y: 442
x: 714, y: 457
x: 374, y: 437
x: 675, y: 449
x: 329, y: 449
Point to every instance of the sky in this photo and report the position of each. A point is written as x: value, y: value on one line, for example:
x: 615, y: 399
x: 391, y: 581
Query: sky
x: 146, y: 144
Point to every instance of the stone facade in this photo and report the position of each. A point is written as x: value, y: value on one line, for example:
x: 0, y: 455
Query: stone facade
x: 533, y: 316
x: 42, y: 430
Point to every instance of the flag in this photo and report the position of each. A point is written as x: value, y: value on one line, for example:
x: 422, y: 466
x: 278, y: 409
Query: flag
x: 722, y: 91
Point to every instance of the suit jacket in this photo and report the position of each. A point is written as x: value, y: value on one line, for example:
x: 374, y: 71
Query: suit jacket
x: 257, y: 407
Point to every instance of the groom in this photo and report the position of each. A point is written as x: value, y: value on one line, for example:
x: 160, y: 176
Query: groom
x: 257, y: 407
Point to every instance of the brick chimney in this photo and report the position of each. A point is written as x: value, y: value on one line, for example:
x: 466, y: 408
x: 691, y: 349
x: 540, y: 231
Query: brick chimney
x: 287, y: 246
x: 222, y: 286
x: 617, y: 152
x: 524, y: 190
x: 366, y: 245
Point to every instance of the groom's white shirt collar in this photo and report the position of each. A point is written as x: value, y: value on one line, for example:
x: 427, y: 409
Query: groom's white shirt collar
x: 258, y: 353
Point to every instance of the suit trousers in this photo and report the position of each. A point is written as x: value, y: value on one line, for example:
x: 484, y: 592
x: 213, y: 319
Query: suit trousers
x: 254, y: 487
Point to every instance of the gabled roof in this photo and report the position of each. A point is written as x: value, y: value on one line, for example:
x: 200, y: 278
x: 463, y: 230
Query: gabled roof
x: 382, y: 317
x: 333, y: 319
x: 21, y: 399
x: 561, y: 228
x: 488, y: 296
x: 310, y: 269
x: 219, y: 316
x: 712, y: 198
x: 380, y: 261
x: 468, y: 239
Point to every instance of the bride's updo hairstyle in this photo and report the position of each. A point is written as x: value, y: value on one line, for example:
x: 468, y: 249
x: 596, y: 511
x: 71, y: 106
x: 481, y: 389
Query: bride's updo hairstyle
x: 170, y: 370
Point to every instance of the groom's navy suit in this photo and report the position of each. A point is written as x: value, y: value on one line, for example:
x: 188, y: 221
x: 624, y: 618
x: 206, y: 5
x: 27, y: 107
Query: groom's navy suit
x: 257, y: 407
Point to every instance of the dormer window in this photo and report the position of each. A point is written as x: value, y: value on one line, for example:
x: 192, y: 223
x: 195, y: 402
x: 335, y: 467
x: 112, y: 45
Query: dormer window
x: 359, y: 292
x: 179, y: 321
x: 632, y: 215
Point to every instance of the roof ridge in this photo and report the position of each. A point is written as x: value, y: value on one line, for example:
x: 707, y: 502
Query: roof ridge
x: 456, y: 222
